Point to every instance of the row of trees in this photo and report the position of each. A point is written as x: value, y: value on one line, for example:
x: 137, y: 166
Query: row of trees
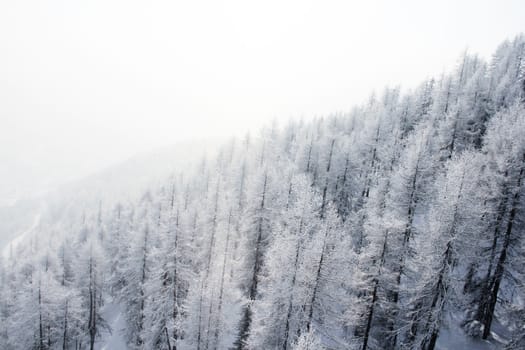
x: 376, y: 229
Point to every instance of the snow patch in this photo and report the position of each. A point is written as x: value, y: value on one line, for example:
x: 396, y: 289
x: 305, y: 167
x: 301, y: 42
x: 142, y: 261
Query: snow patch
x: 113, y: 315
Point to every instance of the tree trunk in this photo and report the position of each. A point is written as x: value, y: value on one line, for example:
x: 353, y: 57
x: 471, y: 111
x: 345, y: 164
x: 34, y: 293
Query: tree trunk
x: 175, y: 282
x: 406, y: 239
x: 240, y: 344
x: 290, y: 301
x: 370, y: 316
x: 64, y: 338
x: 500, y: 267
x: 204, y: 283
x: 40, y: 325
x: 221, y: 288
x: 317, y: 280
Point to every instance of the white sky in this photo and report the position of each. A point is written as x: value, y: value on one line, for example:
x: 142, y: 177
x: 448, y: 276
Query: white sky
x: 87, y: 83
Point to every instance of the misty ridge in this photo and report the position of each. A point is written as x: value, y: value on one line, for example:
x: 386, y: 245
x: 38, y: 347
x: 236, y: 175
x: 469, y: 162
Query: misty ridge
x: 397, y: 225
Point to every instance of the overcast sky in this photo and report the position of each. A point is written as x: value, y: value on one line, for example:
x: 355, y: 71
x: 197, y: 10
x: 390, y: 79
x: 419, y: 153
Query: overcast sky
x: 87, y: 83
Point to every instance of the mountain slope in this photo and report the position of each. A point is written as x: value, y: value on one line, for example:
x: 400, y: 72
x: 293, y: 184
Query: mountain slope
x: 121, y: 182
x: 384, y: 228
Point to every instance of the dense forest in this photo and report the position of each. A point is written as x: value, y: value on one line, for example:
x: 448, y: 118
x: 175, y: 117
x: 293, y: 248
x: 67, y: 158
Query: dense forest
x: 398, y: 225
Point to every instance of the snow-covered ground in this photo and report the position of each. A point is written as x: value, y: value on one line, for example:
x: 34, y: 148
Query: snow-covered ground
x: 453, y: 337
x: 112, y: 313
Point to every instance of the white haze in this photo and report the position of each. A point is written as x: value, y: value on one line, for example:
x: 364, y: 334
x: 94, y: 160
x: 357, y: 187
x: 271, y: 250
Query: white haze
x: 84, y: 84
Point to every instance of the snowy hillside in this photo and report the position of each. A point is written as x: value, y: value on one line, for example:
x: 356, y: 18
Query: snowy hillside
x: 399, y: 225
x: 124, y: 181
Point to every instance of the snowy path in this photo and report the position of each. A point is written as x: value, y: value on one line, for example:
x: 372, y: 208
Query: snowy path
x: 112, y: 313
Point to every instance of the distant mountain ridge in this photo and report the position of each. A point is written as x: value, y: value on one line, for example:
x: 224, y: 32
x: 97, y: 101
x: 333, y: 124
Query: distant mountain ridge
x: 122, y: 181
